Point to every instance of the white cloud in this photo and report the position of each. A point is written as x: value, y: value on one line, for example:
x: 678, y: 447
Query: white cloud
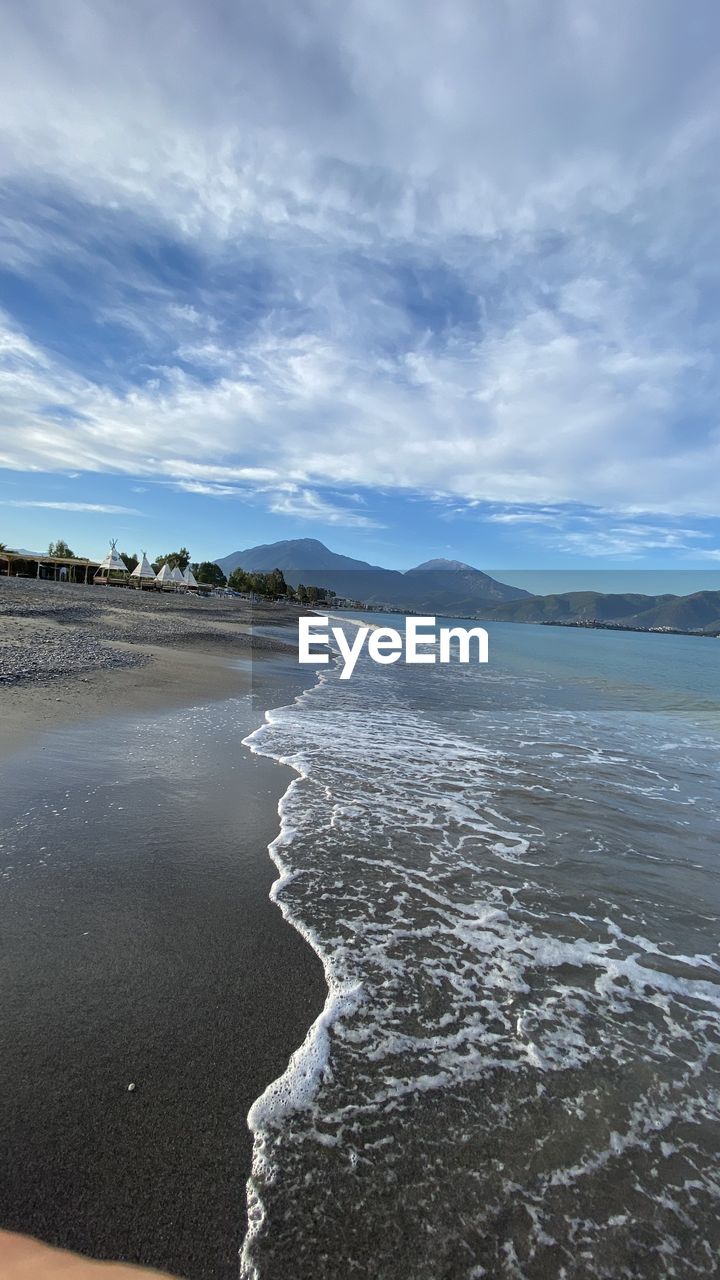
x: 92, y: 507
x: 210, y: 490
x: 601, y: 533
x: 524, y: 517
x: 630, y: 541
x: 489, y: 253
x: 533, y: 416
x: 304, y: 504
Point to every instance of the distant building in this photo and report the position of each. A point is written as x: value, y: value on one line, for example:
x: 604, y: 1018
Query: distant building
x: 46, y: 568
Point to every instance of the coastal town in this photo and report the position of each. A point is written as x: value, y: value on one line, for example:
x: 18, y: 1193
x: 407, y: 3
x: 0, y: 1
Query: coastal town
x: 595, y: 624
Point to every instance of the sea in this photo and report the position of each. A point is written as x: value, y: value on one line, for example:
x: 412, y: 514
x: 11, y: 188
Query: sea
x: 511, y: 875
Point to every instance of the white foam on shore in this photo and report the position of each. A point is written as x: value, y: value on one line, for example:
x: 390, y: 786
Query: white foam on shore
x: 298, y: 1084
x: 304, y: 1074
x: 455, y: 954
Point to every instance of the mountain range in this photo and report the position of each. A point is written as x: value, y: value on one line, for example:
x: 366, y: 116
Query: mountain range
x: 439, y: 586
x: 455, y: 589
x: 697, y: 612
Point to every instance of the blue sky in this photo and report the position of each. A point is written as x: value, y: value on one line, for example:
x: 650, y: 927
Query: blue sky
x: 417, y: 280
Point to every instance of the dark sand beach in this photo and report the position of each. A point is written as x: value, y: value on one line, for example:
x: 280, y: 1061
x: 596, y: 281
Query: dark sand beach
x: 138, y: 944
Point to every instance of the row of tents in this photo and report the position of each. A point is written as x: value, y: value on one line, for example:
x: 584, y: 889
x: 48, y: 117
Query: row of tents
x: 113, y: 570
x: 165, y: 577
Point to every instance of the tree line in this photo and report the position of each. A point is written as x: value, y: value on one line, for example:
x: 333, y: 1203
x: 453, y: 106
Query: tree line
x: 269, y: 586
x: 272, y: 586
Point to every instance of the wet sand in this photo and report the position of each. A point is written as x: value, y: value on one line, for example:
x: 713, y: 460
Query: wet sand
x: 138, y: 945
x: 171, y: 678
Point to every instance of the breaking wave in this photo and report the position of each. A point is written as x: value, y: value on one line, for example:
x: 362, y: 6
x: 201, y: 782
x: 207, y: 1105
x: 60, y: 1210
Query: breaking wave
x: 516, y: 1070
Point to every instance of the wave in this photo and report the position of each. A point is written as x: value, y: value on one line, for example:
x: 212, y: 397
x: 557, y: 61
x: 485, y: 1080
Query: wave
x: 517, y: 1007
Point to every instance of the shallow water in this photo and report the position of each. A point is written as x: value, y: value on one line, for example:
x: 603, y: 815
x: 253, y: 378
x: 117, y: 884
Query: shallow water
x: 511, y: 876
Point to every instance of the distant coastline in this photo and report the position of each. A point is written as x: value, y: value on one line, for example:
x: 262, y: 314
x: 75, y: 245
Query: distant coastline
x: 576, y: 624
x: 619, y: 626
x: 451, y: 589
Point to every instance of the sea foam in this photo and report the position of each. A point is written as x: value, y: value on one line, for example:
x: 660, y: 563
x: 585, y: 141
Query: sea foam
x: 519, y: 1002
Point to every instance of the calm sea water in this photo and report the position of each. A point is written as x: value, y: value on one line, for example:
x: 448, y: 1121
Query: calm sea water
x: 511, y: 875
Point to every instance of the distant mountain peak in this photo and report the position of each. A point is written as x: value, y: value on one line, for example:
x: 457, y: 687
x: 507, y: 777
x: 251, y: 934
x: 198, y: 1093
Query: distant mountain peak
x: 429, y: 565
x: 303, y: 555
x: 443, y: 586
x: 295, y: 544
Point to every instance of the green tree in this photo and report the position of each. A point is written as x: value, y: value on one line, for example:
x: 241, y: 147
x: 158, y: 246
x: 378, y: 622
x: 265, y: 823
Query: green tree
x: 314, y: 595
x: 132, y: 561
x: 175, y: 559
x: 209, y: 573
x: 276, y: 584
x: 61, y: 550
x: 270, y: 586
x: 239, y: 580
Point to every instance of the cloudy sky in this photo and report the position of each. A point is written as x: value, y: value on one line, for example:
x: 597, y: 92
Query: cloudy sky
x: 413, y: 278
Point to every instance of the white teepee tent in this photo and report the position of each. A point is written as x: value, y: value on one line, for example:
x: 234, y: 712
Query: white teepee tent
x: 164, y: 576
x: 189, y: 578
x: 143, y: 572
x: 113, y: 569
x: 177, y: 577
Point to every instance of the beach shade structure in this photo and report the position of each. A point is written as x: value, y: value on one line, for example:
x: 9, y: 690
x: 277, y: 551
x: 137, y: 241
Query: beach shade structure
x: 143, y: 572
x: 189, y: 578
x: 164, y: 577
x: 113, y: 572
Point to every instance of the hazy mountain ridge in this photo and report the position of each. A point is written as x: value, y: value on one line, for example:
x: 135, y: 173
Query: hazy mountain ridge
x: 292, y: 554
x: 455, y: 589
x: 697, y: 612
x: 445, y: 586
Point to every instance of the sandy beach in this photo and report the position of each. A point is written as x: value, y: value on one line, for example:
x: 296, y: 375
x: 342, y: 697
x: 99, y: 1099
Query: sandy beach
x: 139, y: 945
x: 69, y: 653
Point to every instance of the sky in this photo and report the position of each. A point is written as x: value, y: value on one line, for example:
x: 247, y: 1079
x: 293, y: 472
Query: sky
x: 414, y: 279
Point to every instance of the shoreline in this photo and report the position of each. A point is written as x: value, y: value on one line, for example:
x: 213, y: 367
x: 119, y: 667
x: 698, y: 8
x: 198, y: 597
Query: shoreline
x: 72, y: 653
x: 305, y: 1069
x: 141, y: 946
x: 35, y: 708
